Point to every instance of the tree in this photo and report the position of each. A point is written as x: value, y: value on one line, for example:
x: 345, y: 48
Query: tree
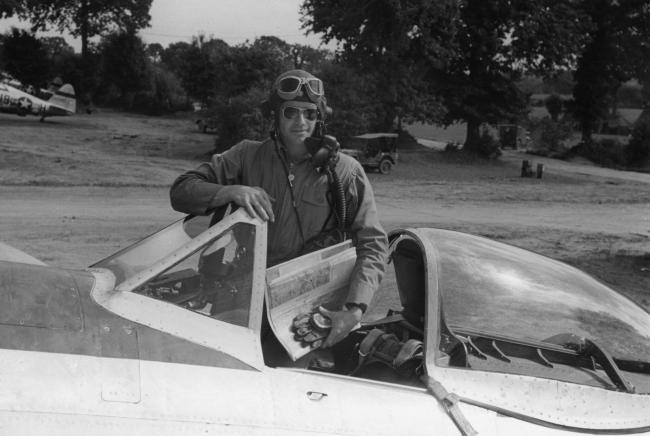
x: 56, y: 46
x: 638, y: 149
x: 25, y: 57
x: 353, y: 105
x: 559, y: 82
x: 309, y: 58
x: 154, y: 51
x: 274, y: 47
x: 256, y: 64
x: 468, y: 52
x: 553, y: 105
x: 239, y: 117
x: 618, y: 50
x: 249, y: 65
x: 59, y: 53
x: 389, y: 43
x: 201, y: 66
x: 162, y: 93
x: 8, y: 8
x: 129, y: 78
x: 173, y: 57
x: 87, y: 18
x: 63, y: 62
x: 124, y: 66
x: 499, y: 41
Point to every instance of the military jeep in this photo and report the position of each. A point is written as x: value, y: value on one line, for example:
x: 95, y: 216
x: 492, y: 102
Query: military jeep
x: 373, y: 150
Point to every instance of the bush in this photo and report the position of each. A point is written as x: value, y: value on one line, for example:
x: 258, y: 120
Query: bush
x: 164, y: 94
x: 550, y: 137
x: 453, y: 147
x: 630, y: 95
x: 239, y: 118
x: 347, y: 122
x: 606, y: 152
x: 487, y: 146
x: 638, y: 149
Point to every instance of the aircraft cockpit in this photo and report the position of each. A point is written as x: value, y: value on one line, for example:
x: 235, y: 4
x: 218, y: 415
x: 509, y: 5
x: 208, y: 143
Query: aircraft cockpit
x: 451, y: 305
x: 219, y: 272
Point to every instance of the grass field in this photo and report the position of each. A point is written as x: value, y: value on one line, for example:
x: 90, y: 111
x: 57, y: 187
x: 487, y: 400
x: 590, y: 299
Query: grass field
x: 74, y: 190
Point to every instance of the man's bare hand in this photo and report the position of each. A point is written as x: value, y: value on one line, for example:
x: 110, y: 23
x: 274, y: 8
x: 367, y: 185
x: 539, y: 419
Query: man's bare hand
x: 256, y: 201
x: 343, y: 321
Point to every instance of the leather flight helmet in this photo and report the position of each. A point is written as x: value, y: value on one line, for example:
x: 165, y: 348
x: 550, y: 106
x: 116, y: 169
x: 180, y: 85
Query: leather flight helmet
x: 296, y: 85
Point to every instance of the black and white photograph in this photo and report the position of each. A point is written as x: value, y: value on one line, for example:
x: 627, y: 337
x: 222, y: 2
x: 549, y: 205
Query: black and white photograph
x: 324, y: 217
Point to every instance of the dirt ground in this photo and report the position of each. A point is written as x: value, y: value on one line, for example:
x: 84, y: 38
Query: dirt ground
x: 74, y: 190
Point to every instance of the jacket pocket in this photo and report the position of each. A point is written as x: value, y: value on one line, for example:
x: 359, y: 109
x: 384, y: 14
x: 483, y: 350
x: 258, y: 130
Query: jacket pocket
x: 314, y: 211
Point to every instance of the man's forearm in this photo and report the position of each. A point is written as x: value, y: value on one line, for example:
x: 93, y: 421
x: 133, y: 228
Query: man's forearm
x: 194, y: 195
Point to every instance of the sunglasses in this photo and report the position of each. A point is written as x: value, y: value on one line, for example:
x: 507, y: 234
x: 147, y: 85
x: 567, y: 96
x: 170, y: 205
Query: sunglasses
x: 288, y: 87
x: 291, y: 113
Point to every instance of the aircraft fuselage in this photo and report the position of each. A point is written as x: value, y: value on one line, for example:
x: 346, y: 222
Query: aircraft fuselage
x: 13, y: 100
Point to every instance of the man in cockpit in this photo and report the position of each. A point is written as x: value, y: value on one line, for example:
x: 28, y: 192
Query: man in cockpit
x: 310, y: 195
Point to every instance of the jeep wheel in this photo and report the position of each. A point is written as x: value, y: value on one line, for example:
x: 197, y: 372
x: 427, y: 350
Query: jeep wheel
x: 385, y: 166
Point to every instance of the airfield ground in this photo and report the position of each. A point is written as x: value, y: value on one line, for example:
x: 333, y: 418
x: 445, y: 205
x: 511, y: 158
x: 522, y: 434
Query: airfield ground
x: 74, y: 190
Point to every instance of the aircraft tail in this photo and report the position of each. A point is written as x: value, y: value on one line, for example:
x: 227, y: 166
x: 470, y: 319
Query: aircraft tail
x: 64, y: 98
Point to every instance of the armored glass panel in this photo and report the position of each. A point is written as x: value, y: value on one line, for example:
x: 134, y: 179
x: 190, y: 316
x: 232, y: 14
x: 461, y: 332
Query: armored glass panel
x: 141, y: 255
x: 215, y: 281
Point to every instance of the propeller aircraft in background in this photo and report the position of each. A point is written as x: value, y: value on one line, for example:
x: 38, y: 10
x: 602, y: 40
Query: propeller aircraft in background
x: 61, y: 102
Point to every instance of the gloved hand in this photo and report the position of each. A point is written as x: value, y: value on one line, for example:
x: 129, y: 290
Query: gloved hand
x: 310, y: 329
x: 342, y: 321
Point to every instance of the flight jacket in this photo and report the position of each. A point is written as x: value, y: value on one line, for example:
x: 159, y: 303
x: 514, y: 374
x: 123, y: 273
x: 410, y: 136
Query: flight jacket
x: 255, y: 163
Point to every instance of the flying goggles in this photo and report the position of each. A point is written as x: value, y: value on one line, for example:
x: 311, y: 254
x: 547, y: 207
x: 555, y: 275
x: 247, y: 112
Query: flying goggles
x: 288, y: 88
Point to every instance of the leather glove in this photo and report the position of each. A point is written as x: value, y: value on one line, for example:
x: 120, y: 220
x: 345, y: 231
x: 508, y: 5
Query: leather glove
x: 310, y: 329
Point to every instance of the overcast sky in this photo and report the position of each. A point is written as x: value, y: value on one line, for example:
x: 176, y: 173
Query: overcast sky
x: 234, y: 21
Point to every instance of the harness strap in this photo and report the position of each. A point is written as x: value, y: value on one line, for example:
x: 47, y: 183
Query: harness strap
x: 385, y: 348
x: 450, y: 403
x: 369, y: 342
x: 290, y: 178
x: 408, y: 351
x: 366, y: 348
x: 387, y: 320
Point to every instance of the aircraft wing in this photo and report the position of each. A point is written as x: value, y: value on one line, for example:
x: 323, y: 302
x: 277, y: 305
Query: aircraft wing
x: 11, y: 254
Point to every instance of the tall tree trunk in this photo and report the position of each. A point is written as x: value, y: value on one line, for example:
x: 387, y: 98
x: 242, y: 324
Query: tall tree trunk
x: 83, y: 12
x: 473, y: 135
x: 389, y: 120
x: 87, y: 68
x: 587, y: 131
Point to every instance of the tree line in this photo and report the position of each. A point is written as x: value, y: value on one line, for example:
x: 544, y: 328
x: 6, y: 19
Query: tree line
x: 407, y: 60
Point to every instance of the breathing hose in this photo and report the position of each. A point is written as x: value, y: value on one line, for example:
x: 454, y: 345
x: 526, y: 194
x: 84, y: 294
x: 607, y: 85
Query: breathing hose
x: 340, y: 206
